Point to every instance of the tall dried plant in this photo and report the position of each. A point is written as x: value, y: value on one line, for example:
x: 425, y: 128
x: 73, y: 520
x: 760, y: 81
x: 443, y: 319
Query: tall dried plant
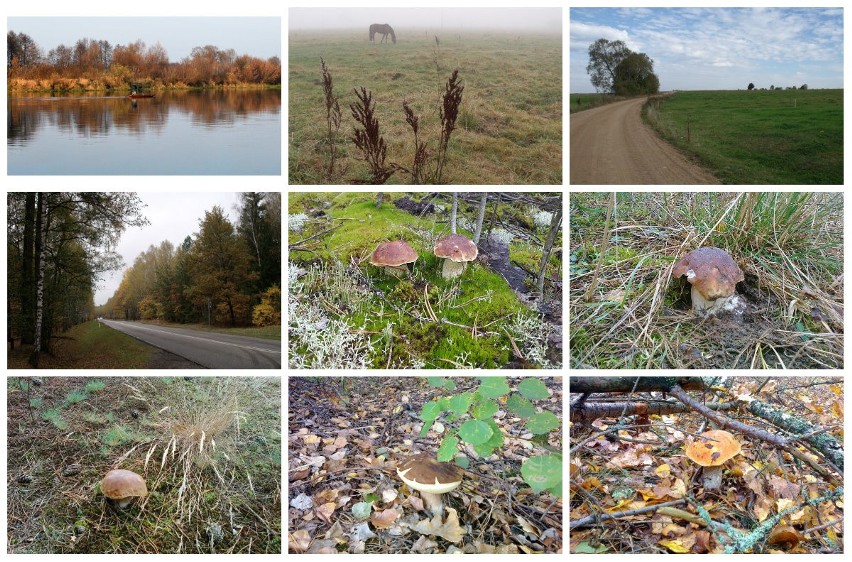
x: 369, y: 139
x: 333, y: 115
x: 421, y: 155
x: 449, y: 113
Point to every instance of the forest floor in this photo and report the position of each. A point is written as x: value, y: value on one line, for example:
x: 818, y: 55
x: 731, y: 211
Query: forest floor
x: 633, y: 467
x: 629, y: 312
x: 348, y: 435
x: 344, y: 312
x: 217, y: 490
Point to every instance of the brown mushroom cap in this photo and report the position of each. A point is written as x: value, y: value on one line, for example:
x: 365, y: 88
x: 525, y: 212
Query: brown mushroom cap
x: 393, y: 254
x: 785, y: 536
x: 120, y: 484
x: 457, y: 248
x: 425, y: 474
x: 719, y: 447
x: 713, y: 272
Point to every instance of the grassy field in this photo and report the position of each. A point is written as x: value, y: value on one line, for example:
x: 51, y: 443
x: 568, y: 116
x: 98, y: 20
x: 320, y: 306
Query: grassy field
x: 758, y: 137
x: 217, y: 491
x: 265, y: 332
x: 509, y: 128
x: 88, y: 346
x: 627, y: 311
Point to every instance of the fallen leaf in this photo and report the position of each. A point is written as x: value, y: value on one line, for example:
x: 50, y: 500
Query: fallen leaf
x: 449, y: 529
x: 424, y: 545
x: 325, y: 510
x: 384, y: 519
x: 302, y: 502
x: 389, y: 495
x: 663, y: 471
x: 702, y: 542
x: 675, y: 546
x: 416, y: 503
x: 299, y: 541
x: 362, y: 532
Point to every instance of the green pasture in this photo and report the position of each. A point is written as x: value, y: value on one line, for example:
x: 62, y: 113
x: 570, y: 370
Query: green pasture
x: 757, y: 137
x: 509, y: 128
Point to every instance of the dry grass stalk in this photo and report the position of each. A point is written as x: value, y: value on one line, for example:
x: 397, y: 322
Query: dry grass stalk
x: 421, y: 154
x: 449, y: 111
x: 332, y: 114
x: 369, y: 139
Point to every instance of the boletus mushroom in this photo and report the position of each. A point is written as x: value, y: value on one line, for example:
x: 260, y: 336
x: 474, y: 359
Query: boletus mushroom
x: 456, y: 250
x: 711, y: 450
x: 431, y: 478
x: 394, y: 257
x: 121, y: 486
x: 714, y: 275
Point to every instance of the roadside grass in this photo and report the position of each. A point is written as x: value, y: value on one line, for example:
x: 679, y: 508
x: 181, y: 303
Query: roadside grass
x: 87, y: 346
x: 265, y: 332
x: 758, y: 137
x: 631, y: 314
x: 217, y: 490
x: 509, y: 128
x: 582, y: 102
x: 345, y: 313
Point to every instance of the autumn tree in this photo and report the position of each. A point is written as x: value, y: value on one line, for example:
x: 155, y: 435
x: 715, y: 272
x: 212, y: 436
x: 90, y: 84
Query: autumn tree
x: 61, y: 243
x: 219, y: 265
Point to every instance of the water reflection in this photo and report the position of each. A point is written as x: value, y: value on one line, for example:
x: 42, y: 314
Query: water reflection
x: 212, y: 119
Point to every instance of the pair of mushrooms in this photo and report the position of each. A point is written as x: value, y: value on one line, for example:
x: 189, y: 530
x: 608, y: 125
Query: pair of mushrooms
x: 455, y: 249
x: 714, y: 275
x: 431, y: 478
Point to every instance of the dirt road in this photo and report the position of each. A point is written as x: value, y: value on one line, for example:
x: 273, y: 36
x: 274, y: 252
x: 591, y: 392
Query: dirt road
x: 611, y: 145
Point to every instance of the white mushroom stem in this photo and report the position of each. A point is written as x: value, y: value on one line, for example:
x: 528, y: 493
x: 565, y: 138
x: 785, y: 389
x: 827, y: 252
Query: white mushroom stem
x: 434, y: 502
x: 712, y: 477
x: 121, y: 503
x: 452, y: 268
x: 396, y: 271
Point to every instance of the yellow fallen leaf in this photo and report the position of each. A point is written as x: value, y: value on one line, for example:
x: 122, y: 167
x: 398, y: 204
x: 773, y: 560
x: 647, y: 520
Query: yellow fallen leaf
x: 325, y: 510
x: 663, y: 471
x: 783, y: 503
x: 675, y: 546
x: 449, y: 529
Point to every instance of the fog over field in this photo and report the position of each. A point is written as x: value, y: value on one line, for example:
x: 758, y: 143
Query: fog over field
x: 547, y: 20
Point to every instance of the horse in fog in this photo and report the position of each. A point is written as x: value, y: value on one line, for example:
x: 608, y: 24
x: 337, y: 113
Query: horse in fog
x: 384, y: 29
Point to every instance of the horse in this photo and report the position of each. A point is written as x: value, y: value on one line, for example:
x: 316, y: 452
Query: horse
x: 384, y: 29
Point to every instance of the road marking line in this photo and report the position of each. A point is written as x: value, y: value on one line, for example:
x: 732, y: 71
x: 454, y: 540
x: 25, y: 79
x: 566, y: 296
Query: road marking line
x: 137, y: 327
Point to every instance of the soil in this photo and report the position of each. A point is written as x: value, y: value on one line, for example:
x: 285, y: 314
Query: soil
x: 611, y: 145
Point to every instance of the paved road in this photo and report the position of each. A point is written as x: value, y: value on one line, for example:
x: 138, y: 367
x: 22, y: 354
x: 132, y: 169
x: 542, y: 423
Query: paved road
x: 208, y: 349
x: 611, y: 145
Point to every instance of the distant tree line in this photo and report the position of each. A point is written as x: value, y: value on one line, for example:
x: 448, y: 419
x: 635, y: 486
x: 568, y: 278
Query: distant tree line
x: 227, y: 273
x: 119, y: 66
x: 615, y: 69
x: 751, y: 86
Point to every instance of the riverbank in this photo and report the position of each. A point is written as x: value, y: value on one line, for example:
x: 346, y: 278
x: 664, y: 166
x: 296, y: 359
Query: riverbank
x: 23, y: 86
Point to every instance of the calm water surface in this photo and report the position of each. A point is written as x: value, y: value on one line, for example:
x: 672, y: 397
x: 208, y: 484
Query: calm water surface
x: 206, y: 132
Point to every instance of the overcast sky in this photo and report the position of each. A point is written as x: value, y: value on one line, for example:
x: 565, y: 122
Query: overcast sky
x: 173, y: 217
x: 543, y: 19
x: 258, y: 37
x: 718, y: 48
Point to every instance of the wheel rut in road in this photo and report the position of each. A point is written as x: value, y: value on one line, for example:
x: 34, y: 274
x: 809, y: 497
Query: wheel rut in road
x: 611, y: 145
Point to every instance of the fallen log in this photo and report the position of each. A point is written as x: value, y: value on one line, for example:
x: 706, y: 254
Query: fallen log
x: 630, y: 384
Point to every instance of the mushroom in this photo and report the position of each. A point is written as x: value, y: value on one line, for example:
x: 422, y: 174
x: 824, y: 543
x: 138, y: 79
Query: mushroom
x: 431, y: 478
x: 456, y: 250
x: 714, y: 275
x: 394, y: 257
x: 785, y: 536
x: 712, y: 450
x: 121, y: 486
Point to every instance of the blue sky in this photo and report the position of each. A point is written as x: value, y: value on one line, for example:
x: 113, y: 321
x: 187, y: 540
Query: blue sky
x: 718, y: 48
x: 259, y: 37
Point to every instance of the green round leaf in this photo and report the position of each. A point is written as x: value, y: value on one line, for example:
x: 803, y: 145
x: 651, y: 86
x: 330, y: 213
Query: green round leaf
x: 493, y: 387
x: 475, y: 432
x: 462, y: 461
x: 485, y: 409
x: 520, y: 406
x: 447, y: 450
x: 441, y: 382
x: 533, y: 389
x: 542, y: 472
x: 361, y: 510
x: 460, y: 403
x: 542, y: 423
x: 430, y: 412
